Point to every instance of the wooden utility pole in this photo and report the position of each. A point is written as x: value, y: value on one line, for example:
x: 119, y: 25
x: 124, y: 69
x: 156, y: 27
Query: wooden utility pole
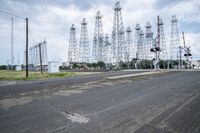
x: 12, y: 57
x: 26, y: 47
x: 40, y: 57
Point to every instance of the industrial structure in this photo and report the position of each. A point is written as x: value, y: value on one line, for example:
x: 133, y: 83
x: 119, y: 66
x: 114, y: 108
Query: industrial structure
x: 138, y: 46
x: 163, y: 47
x: 148, y: 55
x: 130, y: 46
x: 106, y: 50
x: 122, y: 48
x: 84, y: 46
x: 174, y: 40
x: 37, y: 52
x: 119, y: 49
x: 98, y: 39
x: 73, y: 46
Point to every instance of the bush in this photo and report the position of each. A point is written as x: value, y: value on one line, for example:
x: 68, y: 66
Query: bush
x: 3, y: 67
x: 101, y: 64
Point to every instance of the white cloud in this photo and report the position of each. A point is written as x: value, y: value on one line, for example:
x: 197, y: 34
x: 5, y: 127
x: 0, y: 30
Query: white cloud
x: 53, y: 22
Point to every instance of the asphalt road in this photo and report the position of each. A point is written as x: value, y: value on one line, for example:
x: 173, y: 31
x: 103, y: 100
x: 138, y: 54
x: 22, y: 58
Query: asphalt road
x: 37, y: 85
x: 160, y: 103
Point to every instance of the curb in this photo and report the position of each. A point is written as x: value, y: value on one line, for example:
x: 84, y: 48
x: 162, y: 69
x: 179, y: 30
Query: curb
x: 134, y: 75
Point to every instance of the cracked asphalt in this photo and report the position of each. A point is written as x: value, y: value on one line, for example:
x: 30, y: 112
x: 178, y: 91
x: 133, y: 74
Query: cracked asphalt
x: 168, y: 102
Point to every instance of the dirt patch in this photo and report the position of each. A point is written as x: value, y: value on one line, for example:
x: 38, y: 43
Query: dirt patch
x: 68, y: 92
x: 12, y: 102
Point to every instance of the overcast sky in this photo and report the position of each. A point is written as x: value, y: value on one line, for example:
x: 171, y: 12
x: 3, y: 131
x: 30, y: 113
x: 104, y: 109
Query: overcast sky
x: 51, y: 19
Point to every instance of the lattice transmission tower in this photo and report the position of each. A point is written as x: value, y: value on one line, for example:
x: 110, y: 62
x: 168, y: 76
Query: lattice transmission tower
x: 163, y: 47
x: 84, y: 47
x: 98, y: 38
x: 130, y: 45
x: 174, y: 39
x: 148, y: 42
x: 106, y: 50
x: 119, y: 48
x: 142, y: 45
x: 73, y: 47
x: 137, y: 42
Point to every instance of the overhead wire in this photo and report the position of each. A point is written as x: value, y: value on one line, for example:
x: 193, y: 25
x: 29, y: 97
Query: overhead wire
x: 13, y: 15
x: 10, y: 14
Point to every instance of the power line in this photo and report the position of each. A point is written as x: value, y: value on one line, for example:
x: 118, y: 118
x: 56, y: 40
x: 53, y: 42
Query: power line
x: 10, y: 14
x: 31, y: 35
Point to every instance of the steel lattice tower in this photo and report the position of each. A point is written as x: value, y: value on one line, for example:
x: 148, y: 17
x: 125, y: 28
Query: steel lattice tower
x: 137, y: 41
x: 98, y: 38
x: 118, y: 38
x: 130, y: 46
x: 141, y: 46
x: 84, y: 47
x: 106, y: 50
x: 174, y: 39
x: 148, y: 42
x: 163, y: 53
x: 73, y: 47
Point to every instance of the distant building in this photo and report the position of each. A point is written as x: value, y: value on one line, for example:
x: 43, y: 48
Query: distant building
x: 53, y: 67
x: 195, y: 64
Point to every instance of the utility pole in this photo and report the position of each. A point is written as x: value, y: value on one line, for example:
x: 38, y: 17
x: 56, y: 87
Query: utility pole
x: 12, y: 57
x: 40, y: 57
x: 26, y: 47
x: 180, y: 58
x: 187, y: 52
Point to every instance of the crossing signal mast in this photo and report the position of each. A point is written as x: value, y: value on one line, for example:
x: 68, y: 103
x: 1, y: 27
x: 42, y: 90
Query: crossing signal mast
x: 187, y: 53
x: 156, y: 47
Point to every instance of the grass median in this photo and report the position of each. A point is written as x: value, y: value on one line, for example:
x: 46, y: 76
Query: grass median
x: 21, y: 75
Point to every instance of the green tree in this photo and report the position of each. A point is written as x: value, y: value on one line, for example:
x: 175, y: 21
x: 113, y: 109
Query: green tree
x: 101, y: 64
x: 74, y: 65
x: 2, y: 67
x: 94, y: 65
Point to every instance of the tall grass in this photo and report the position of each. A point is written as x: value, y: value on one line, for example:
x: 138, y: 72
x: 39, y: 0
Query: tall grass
x: 20, y: 75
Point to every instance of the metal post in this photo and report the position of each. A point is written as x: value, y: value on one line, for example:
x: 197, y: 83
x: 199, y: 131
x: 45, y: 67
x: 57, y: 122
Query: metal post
x: 27, y: 47
x: 40, y: 57
x: 180, y: 57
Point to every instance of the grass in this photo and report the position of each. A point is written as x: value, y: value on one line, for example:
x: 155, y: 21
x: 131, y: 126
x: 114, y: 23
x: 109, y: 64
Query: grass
x: 21, y: 75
